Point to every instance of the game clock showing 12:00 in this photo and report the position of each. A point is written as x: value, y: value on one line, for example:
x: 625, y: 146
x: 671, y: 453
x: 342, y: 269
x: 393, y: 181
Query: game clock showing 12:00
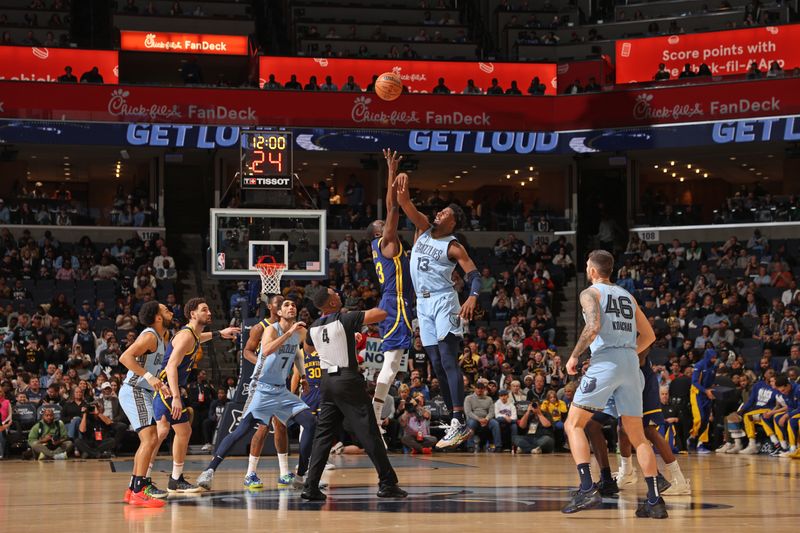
x: 266, y: 160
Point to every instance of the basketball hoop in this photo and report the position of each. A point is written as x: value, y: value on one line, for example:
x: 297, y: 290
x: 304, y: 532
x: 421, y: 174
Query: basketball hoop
x: 271, y: 273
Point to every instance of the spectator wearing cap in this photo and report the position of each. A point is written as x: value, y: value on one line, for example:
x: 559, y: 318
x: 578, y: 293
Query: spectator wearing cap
x: 112, y: 410
x: 48, y: 437
x: 479, y: 410
x: 505, y: 412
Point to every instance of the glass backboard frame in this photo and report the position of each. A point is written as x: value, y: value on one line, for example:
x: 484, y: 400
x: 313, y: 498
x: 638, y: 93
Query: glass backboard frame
x: 298, y: 274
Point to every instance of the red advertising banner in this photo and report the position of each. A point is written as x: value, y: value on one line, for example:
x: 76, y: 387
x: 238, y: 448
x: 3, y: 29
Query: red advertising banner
x: 725, y: 52
x: 27, y: 63
x: 418, y: 76
x: 239, y: 107
x: 583, y: 71
x: 183, y: 43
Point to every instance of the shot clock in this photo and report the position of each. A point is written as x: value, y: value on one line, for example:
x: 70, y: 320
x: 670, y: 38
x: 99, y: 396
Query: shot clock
x: 266, y: 159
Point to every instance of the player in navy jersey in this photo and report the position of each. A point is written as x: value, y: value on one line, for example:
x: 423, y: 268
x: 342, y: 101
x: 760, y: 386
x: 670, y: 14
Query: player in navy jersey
x: 281, y: 344
x: 391, y: 267
x: 309, y: 385
x: 435, y: 253
x: 616, y: 331
x: 178, y: 362
x: 142, y: 359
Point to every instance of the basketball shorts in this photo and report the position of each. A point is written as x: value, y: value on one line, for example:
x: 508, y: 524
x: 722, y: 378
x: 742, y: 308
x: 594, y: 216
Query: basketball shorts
x: 162, y: 407
x: 438, y: 317
x: 137, y: 403
x: 396, y: 330
x: 651, y: 402
x: 612, y: 373
x: 312, y: 399
x: 272, y: 400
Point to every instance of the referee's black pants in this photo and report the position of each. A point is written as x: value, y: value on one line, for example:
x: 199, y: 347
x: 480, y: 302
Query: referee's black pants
x: 344, y: 397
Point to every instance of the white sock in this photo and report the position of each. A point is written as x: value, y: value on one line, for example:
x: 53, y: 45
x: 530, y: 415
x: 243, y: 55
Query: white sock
x: 784, y: 445
x: 737, y: 441
x: 774, y: 439
x: 377, y: 406
x: 675, y: 470
x: 283, y: 463
x: 177, y: 470
x: 625, y: 465
x: 792, y: 448
x: 149, y: 470
x: 252, y: 464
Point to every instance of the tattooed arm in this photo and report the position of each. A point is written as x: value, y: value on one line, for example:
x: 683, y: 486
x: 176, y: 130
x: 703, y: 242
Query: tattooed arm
x: 591, y: 313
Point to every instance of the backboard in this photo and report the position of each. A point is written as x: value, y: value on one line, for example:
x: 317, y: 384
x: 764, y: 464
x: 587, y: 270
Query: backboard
x: 296, y: 237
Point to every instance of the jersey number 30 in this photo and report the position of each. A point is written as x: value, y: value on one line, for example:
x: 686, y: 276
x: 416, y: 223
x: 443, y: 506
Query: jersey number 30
x: 619, y: 306
x: 379, y: 272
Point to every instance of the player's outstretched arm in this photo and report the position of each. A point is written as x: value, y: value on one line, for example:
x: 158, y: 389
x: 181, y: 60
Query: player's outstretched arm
x: 459, y: 254
x: 646, y: 334
x: 390, y: 244
x: 374, y: 315
x: 143, y: 344
x: 227, y: 333
x: 419, y: 220
x: 253, y: 342
x: 591, y: 312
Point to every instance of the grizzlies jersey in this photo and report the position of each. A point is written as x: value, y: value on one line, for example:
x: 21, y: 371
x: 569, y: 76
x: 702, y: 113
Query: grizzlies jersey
x: 265, y: 323
x: 187, y: 360
x: 152, y: 362
x: 278, y: 365
x: 617, y: 320
x: 431, y: 269
x: 312, y: 369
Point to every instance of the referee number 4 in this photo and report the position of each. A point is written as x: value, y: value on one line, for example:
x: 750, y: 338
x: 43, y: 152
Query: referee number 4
x: 325, y: 337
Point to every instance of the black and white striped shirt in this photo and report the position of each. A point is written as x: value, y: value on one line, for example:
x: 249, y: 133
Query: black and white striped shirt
x: 333, y: 336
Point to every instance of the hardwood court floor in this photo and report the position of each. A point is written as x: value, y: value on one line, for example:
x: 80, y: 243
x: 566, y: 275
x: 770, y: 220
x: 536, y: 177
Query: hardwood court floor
x: 448, y: 493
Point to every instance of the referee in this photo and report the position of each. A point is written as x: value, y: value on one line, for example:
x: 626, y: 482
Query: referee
x: 344, y: 394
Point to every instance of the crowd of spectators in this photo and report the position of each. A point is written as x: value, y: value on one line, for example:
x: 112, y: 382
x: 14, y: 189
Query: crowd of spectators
x: 67, y: 313
x: 736, y: 301
x: 47, y: 206
x: 745, y: 206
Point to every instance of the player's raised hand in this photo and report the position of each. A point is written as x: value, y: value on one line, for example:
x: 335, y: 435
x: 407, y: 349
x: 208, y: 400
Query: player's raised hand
x: 468, y: 308
x: 392, y: 161
x: 400, y: 184
x: 572, y: 366
x: 230, y: 333
x: 296, y: 327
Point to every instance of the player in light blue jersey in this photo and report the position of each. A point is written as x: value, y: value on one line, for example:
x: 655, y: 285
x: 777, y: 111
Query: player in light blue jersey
x: 435, y: 253
x: 617, y: 332
x: 281, y: 342
x: 143, y: 359
x: 252, y: 352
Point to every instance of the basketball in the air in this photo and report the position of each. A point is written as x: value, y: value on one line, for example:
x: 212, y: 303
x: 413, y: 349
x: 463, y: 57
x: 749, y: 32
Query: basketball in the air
x: 389, y: 86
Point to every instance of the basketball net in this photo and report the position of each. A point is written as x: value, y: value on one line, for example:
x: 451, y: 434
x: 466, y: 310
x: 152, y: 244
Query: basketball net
x: 271, y: 273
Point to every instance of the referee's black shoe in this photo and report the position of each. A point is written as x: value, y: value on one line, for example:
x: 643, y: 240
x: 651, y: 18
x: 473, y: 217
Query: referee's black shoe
x: 313, y: 495
x: 583, y: 500
x: 654, y: 510
x: 391, y: 491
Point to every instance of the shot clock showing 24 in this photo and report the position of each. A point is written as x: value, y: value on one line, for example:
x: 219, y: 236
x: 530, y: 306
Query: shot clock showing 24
x: 266, y: 159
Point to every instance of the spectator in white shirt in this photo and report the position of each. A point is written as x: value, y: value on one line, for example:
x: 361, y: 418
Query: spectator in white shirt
x: 505, y: 413
x: 158, y: 262
x: 789, y: 294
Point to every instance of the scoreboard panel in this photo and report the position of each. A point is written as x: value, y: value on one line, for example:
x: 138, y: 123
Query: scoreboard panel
x: 266, y: 159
